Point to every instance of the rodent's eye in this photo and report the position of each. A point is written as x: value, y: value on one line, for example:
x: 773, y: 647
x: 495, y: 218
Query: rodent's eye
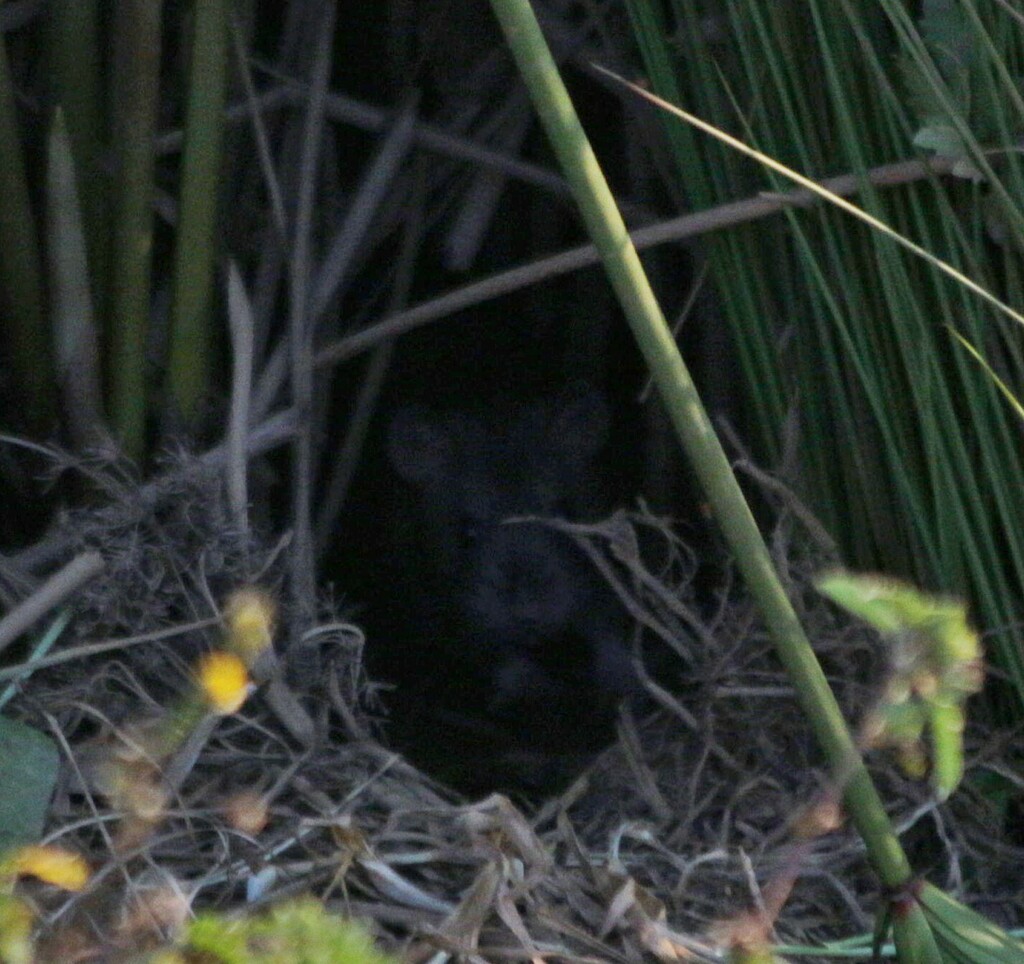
x: 547, y: 498
x: 553, y: 499
x: 469, y: 534
x: 557, y: 506
x: 476, y: 508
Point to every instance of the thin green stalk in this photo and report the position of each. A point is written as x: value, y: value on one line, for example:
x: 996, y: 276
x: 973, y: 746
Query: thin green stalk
x: 21, y: 284
x: 195, y: 259
x: 608, y: 232
x: 76, y: 346
x: 135, y: 98
x: 77, y: 75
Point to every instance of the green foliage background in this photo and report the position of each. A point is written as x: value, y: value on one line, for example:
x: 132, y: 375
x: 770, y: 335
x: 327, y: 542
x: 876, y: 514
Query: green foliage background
x: 905, y: 449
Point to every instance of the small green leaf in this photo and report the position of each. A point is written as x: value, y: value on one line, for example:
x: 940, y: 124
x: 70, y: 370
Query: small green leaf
x: 964, y: 934
x: 913, y: 937
x: 15, y: 931
x: 947, y: 33
x: 943, y: 139
x: 946, y: 723
x: 756, y: 955
x: 299, y: 930
x: 871, y: 598
x: 897, y: 723
x: 28, y: 772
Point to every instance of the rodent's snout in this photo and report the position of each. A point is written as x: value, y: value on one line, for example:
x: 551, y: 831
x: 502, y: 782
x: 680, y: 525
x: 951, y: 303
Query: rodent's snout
x: 523, y: 582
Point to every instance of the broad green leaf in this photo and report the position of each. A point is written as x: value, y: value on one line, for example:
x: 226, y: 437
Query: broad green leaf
x: 28, y: 772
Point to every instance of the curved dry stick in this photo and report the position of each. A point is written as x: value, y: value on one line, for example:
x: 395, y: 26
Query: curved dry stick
x: 675, y: 229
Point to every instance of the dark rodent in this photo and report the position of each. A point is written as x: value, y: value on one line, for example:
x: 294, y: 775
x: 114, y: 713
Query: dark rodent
x: 495, y: 601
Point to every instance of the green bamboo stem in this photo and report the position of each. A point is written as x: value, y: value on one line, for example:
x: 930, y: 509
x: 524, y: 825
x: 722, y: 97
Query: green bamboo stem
x: 691, y: 422
x: 21, y: 282
x: 135, y: 94
x: 196, y: 254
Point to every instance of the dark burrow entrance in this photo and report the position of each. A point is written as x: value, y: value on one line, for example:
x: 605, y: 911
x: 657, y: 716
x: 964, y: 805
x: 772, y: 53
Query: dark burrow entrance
x: 504, y: 651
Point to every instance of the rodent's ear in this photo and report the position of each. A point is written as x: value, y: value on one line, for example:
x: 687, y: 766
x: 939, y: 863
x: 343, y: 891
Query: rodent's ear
x: 419, y: 445
x: 581, y: 423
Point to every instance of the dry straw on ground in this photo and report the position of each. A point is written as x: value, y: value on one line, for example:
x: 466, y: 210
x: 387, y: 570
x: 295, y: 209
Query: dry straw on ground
x: 690, y: 819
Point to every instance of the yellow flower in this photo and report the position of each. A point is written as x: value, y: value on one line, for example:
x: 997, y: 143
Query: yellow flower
x: 53, y: 865
x: 249, y: 618
x: 224, y: 681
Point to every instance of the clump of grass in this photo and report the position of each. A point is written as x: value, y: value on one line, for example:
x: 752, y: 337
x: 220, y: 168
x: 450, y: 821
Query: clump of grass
x: 906, y: 451
x: 105, y: 76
